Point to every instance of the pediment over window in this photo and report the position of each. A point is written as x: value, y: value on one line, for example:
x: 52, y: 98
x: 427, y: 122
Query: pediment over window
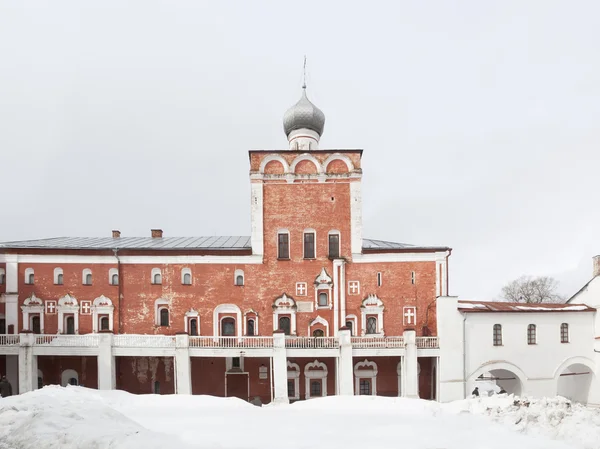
x: 372, y: 301
x: 102, y: 301
x: 32, y: 301
x: 315, y: 369
x: 323, y: 278
x: 284, y: 301
x: 67, y: 301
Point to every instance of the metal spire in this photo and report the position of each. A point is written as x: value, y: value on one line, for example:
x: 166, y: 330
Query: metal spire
x: 304, y: 74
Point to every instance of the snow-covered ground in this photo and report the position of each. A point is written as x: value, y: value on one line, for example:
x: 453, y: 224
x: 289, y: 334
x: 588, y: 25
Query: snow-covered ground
x: 76, y: 417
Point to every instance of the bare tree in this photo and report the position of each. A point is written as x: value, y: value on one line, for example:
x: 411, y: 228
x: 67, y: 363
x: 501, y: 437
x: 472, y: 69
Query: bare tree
x: 532, y: 290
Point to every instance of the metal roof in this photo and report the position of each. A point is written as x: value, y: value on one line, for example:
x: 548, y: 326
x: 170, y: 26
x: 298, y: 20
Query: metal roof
x: 171, y: 243
x: 496, y: 306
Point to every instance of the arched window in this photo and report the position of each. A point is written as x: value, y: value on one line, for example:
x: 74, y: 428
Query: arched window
x: 156, y: 276
x: 29, y: 276
x: 250, y: 328
x: 194, y: 326
x: 239, y: 277
x: 164, y: 316
x: 497, y: 335
x: 59, y: 279
x: 104, y: 323
x: 323, y: 299
x: 228, y: 327
x: 70, y: 325
x: 88, y: 279
x: 318, y: 333
x: 187, y: 279
x: 315, y: 388
x: 350, y: 325
x: 58, y: 276
x: 371, y: 325
x: 86, y: 276
x: 113, y: 276
x: 35, y: 325
x: 285, y: 324
x: 115, y: 279
x: 531, y: 334
x: 564, y: 333
x: 72, y: 381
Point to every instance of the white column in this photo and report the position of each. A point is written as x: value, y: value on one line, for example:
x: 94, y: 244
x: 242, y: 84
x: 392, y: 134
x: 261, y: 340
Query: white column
x: 356, y: 217
x: 26, y: 363
x: 256, y: 217
x: 411, y: 378
x: 280, y: 369
x: 345, y: 367
x: 106, y: 363
x: 183, y: 368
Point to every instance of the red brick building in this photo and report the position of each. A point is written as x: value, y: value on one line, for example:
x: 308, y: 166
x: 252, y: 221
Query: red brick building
x: 302, y: 307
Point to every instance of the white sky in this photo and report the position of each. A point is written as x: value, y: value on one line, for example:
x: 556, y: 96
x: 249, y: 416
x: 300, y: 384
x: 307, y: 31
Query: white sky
x: 479, y: 120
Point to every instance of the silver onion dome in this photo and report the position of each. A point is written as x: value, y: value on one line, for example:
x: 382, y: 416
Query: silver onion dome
x: 303, y: 114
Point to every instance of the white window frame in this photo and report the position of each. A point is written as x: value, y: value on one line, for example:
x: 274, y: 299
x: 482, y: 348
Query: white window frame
x: 255, y: 318
x: 324, y: 282
x: 372, y: 305
x: 293, y: 373
x: 365, y: 370
x: 285, y: 305
x: 354, y: 320
x: 231, y: 311
x: 237, y: 273
x: 315, y: 374
x: 57, y: 272
x: 32, y: 306
x: 314, y: 233
x: 102, y: 306
x: 2, y: 276
x: 84, y: 275
x: 111, y: 273
x: 191, y: 314
x: 154, y: 273
x: 28, y: 273
x: 68, y: 374
x: 159, y: 305
x: 185, y: 271
x: 355, y: 284
x: 67, y: 305
x: 316, y: 321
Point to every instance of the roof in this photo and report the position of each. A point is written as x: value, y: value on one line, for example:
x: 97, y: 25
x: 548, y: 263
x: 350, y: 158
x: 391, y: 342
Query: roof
x: 483, y: 306
x: 581, y: 289
x: 177, y: 243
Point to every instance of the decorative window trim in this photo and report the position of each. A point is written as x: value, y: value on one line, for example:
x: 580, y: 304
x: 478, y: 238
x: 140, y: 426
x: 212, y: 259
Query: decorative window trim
x: 185, y: 271
x: 285, y: 305
x: 67, y: 305
x: 407, y: 318
x: 338, y: 157
x: 315, y: 374
x: 323, y: 282
x: 192, y: 313
x: 154, y: 273
x: 102, y: 306
x: 84, y: 275
x: 306, y: 157
x: 293, y: 373
x: 354, y: 320
x: 33, y: 305
x: 251, y: 314
x: 353, y: 287
x: 160, y: 304
x: 283, y: 231
x: 318, y: 320
x: 372, y: 305
x: 59, y: 276
x: 112, y: 272
x: 230, y: 309
x: 365, y: 370
x: 237, y: 273
x: 271, y: 158
x: 28, y: 273
x: 339, y: 234
x: 314, y: 233
x: 299, y: 289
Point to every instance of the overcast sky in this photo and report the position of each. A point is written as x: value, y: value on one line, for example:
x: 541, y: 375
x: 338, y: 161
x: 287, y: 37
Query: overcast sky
x: 480, y: 121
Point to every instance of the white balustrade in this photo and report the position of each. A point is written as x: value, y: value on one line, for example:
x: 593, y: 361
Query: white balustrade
x: 312, y: 342
x: 377, y: 342
x: 88, y: 340
x: 428, y: 342
x: 143, y: 341
x: 231, y: 342
x: 9, y: 340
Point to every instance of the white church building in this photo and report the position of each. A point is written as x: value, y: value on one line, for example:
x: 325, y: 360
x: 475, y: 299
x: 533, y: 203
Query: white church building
x: 525, y: 349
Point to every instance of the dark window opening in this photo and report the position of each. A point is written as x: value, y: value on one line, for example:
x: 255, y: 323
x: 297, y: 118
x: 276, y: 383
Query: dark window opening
x: 285, y: 325
x: 250, y: 328
x: 236, y: 363
x: 497, y: 335
x: 35, y: 324
x: 194, y: 327
x: 2, y: 326
x: 564, y: 333
x: 291, y: 388
x: 350, y: 325
x: 371, y: 325
x: 40, y: 382
x: 30, y: 279
x: 315, y: 388
x: 283, y: 251
x: 531, y: 334
x: 318, y: 333
x: 239, y: 280
x: 88, y: 279
x: 365, y: 387
x: 70, y: 325
x: 59, y: 279
x: 72, y: 381
x: 157, y: 279
x: 228, y: 327
x: 309, y: 245
x: 164, y: 317
x: 104, y: 323
x: 157, y: 387
x: 114, y: 279
x: 187, y: 279
x: 334, y: 246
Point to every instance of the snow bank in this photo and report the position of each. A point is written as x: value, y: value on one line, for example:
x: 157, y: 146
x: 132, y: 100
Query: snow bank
x: 76, y: 417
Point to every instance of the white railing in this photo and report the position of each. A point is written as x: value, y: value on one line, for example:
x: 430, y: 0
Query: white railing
x: 377, y: 342
x: 231, y: 342
x: 428, y: 342
x: 67, y: 340
x: 9, y: 340
x: 143, y: 341
x: 312, y: 342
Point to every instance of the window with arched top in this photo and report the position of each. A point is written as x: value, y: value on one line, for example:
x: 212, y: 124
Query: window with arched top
x: 531, y: 334
x: 113, y: 276
x: 497, y: 335
x: 228, y: 327
x: 194, y: 326
x: 59, y: 279
x: 323, y: 299
x: 88, y: 279
x: 104, y: 323
x: 29, y: 276
x: 564, y: 333
x: 371, y: 325
x: 250, y: 327
x: 318, y: 333
x: 285, y: 324
x: 187, y: 279
x: 58, y: 276
x: 238, y: 277
x: 70, y: 325
x: 164, y: 316
x: 156, y: 276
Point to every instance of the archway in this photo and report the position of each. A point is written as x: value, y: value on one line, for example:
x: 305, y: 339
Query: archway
x: 574, y: 379
x: 496, y: 378
x: 69, y: 377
